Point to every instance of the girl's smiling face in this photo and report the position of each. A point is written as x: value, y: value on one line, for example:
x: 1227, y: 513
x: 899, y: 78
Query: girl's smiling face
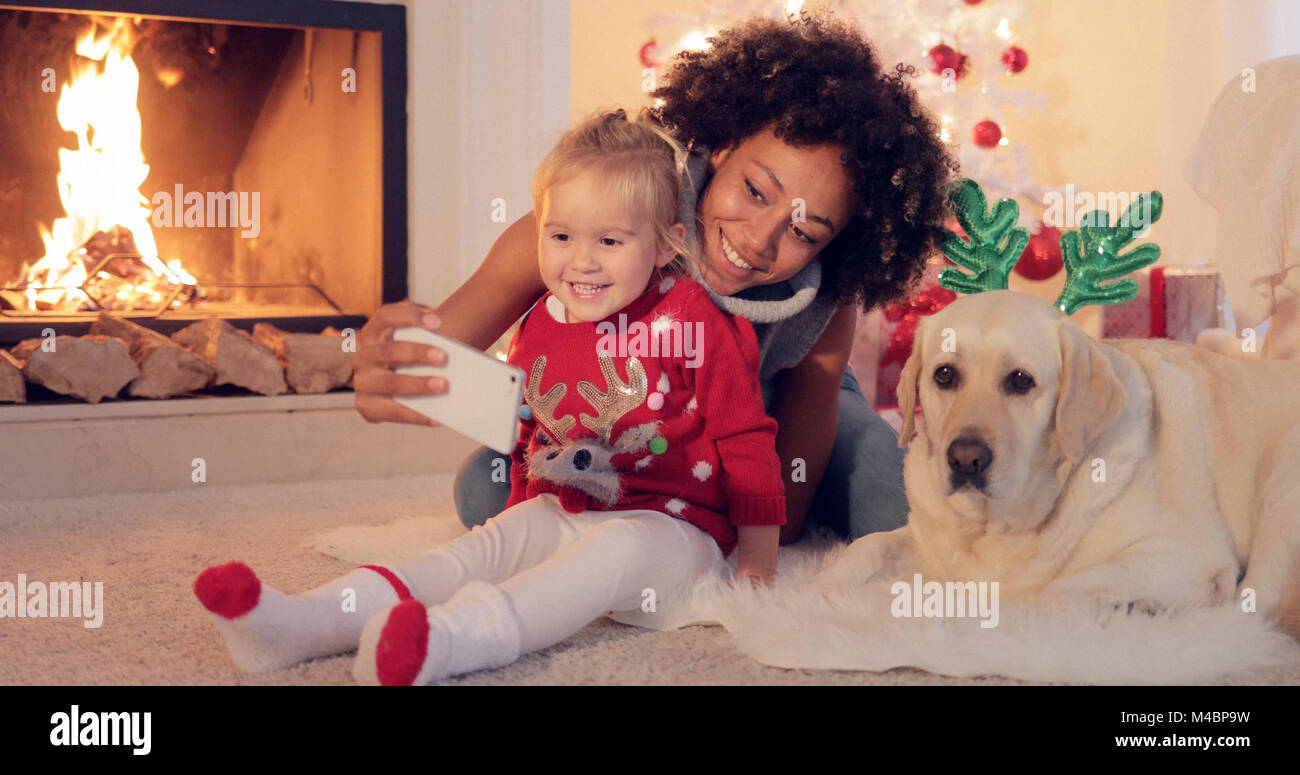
x: 594, y: 254
x: 751, y: 230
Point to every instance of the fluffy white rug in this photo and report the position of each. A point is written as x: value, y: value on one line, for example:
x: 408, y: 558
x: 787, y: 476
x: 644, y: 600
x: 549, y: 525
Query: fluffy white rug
x: 794, y: 625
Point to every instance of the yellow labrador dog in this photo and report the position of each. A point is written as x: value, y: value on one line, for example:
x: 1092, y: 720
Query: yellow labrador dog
x: 1132, y: 472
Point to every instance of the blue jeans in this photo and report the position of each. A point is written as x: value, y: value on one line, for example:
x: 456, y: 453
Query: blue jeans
x: 861, y: 491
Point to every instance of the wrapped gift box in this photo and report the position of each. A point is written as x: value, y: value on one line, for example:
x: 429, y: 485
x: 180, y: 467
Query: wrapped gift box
x: 1172, y: 303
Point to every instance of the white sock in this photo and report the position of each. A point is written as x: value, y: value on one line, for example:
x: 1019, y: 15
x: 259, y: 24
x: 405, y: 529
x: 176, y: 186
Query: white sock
x: 409, y: 644
x: 266, y: 630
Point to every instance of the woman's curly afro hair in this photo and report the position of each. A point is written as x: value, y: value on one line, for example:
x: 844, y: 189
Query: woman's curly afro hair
x: 815, y: 80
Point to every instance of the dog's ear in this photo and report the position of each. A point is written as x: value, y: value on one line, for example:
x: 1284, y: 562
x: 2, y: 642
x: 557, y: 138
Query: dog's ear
x: 907, y: 386
x: 1090, y: 396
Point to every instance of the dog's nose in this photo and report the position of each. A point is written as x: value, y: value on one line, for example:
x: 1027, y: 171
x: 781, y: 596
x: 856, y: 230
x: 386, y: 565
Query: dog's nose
x: 969, y: 456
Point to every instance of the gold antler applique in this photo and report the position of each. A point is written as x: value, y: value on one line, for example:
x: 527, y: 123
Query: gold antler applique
x: 618, y: 400
x: 544, y: 406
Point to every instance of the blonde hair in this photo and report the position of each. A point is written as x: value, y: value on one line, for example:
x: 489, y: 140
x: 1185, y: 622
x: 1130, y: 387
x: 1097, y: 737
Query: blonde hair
x: 643, y: 165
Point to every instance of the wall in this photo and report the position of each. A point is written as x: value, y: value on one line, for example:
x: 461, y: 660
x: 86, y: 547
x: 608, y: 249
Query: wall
x: 319, y: 170
x: 1128, y: 85
x: 488, y: 95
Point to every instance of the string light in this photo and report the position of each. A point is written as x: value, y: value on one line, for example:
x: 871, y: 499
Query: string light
x: 695, y: 41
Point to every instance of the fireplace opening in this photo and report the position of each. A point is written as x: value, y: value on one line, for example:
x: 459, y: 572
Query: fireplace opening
x: 187, y: 179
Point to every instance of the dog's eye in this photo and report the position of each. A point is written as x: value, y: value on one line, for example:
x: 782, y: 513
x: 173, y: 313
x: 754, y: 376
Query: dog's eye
x: 1019, y: 382
x: 945, y: 376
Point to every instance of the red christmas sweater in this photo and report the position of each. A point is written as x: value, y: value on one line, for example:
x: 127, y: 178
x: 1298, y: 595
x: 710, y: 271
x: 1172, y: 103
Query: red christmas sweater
x: 656, y: 407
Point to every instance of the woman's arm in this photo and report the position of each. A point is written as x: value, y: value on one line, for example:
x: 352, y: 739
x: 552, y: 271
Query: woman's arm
x: 494, y: 297
x: 806, y: 407
x: 504, y: 286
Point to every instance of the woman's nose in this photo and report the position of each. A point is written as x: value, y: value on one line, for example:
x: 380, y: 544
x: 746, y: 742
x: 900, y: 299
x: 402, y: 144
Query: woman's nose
x: 763, y: 232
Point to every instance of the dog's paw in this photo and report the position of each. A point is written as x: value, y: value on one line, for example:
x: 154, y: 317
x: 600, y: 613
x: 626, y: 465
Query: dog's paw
x: 1148, y: 607
x: 1110, y: 608
x: 872, y: 557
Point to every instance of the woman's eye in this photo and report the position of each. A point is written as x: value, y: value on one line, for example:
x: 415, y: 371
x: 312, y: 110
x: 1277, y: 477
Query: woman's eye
x: 1019, y: 382
x: 753, y: 191
x: 799, y: 233
x: 945, y: 376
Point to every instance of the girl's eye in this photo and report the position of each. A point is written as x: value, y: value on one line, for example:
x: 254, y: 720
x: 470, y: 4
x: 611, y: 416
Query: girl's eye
x: 799, y: 233
x: 753, y: 191
x: 560, y: 236
x: 609, y: 242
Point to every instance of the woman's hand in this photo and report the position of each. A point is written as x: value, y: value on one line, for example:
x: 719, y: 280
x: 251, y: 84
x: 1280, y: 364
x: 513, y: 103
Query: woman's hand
x: 373, y: 378
x: 503, y: 287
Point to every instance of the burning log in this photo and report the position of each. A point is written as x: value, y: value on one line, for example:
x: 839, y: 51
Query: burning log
x: 117, y: 277
x: 166, y: 368
x: 237, y: 358
x: 88, y: 367
x: 13, y: 389
x: 117, y: 240
x: 314, y: 363
x: 12, y: 300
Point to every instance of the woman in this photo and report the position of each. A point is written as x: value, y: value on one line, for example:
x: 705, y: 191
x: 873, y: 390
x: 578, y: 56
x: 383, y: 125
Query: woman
x: 817, y: 184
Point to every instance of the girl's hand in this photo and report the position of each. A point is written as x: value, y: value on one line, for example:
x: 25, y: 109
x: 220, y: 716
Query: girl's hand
x: 755, y: 575
x: 756, y: 553
x: 373, y: 378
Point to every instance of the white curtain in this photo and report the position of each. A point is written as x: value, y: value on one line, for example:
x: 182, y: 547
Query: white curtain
x: 1239, y: 153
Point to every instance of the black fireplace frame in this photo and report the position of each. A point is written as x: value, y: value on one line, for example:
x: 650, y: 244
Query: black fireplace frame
x: 390, y: 21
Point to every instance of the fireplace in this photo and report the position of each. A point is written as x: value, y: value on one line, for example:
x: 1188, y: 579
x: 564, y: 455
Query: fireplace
x: 245, y: 162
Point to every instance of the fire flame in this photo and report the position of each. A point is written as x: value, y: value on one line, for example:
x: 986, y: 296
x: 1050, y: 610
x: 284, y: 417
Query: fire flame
x: 99, y: 180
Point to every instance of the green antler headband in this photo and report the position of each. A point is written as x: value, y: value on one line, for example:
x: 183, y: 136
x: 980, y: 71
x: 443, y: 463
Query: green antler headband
x: 987, y: 254
x: 1091, y: 254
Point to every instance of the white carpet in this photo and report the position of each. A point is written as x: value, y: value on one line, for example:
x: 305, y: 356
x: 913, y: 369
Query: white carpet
x: 147, y: 549
x: 793, y: 625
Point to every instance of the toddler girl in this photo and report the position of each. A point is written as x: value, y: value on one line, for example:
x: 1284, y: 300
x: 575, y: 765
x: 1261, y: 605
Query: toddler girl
x: 645, y: 456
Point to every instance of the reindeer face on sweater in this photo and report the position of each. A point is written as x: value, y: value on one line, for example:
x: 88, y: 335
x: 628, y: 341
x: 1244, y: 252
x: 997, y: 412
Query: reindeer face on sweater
x: 590, y: 465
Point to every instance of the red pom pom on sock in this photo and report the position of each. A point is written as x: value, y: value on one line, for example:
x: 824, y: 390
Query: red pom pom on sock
x: 403, y: 644
x: 229, y: 590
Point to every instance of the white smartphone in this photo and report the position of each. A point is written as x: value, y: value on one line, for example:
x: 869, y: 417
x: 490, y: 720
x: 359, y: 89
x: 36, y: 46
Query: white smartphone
x: 483, y: 394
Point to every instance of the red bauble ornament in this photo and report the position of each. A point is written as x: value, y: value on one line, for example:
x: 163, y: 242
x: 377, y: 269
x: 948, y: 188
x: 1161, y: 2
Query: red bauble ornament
x: 987, y: 134
x: 945, y: 57
x: 1042, y: 256
x: 907, y: 314
x: 649, y: 53
x: 955, y: 228
x: 1015, y: 58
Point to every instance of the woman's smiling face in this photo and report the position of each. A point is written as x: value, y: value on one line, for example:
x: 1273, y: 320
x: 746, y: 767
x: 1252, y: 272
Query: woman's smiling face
x: 752, y: 231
